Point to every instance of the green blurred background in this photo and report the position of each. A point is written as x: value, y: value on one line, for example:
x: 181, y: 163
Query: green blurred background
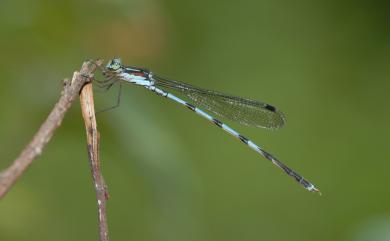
x: 173, y: 176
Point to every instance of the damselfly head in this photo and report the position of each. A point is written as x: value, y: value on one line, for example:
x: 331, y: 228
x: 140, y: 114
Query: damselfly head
x: 114, y: 64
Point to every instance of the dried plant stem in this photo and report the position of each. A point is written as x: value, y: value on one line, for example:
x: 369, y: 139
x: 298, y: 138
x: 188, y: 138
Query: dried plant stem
x: 88, y: 110
x: 69, y: 93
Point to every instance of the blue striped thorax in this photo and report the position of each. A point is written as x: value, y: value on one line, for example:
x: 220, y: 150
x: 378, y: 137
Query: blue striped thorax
x: 135, y: 75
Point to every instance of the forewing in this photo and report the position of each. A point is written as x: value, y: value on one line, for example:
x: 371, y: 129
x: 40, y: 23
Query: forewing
x: 244, y: 111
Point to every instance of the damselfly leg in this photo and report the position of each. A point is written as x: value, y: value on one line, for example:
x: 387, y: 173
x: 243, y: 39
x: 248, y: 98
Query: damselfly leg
x: 105, y: 84
x: 118, y: 101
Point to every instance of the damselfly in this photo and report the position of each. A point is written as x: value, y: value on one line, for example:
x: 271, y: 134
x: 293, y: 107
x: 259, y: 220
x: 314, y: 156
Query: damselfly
x: 244, y: 111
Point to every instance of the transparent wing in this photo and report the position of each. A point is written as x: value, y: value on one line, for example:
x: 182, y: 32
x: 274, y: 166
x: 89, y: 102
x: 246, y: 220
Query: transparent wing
x: 244, y: 111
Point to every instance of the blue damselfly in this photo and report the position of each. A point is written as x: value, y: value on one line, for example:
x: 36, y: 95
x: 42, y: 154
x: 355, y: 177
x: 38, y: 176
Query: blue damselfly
x: 244, y: 111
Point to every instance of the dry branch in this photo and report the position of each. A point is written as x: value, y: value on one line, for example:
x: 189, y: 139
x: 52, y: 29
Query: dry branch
x: 69, y: 93
x: 88, y: 110
x: 79, y: 85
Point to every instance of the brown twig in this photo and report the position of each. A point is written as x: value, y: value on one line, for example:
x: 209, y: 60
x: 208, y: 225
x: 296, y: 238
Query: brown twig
x: 88, y: 110
x: 69, y: 93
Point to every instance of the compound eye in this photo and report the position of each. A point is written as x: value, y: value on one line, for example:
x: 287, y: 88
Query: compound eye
x: 114, y: 64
